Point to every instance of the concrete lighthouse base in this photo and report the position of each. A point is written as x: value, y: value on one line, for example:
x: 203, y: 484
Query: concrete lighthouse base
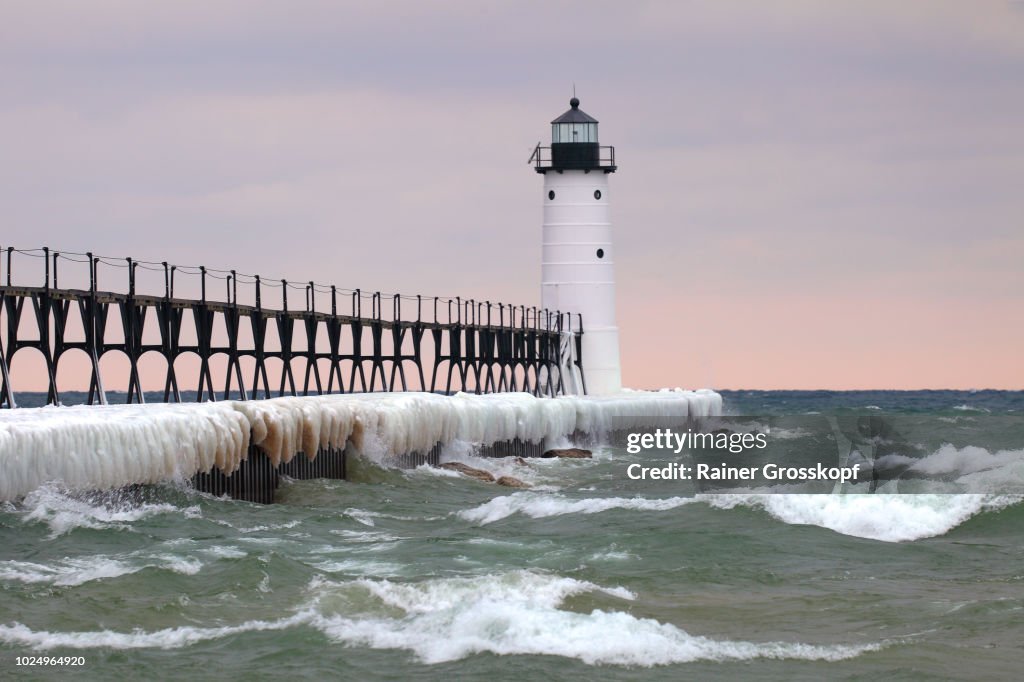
x: 601, y: 361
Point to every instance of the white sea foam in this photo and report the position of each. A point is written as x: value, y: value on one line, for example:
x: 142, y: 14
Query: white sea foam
x: 100, y: 447
x: 971, y: 408
x: 167, y: 638
x: 360, y: 567
x: 540, y: 505
x: 978, y: 481
x: 429, y: 470
x: 259, y: 528
x: 183, y: 565
x: 68, y: 572
x: 889, y: 518
x: 958, y: 470
x: 949, y: 459
x: 449, y: 619
x: 789, y: 434
x: 884, y: 517
x: 613, y: 555
x: 518, y: 613
x: 72, y: 571
x: 536, y: 589
x: 364, y: 537
x: 225, y: 552
x: 63, y: 511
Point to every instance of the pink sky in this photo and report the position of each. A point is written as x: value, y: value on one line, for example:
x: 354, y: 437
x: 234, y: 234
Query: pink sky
x: 810, y: 195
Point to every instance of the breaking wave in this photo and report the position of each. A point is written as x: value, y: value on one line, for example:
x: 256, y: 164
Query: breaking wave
x: 70, y: 571
x: 538, y: 506
x: 64, y: 511
x: 450, y: 619
x: 887, y: 518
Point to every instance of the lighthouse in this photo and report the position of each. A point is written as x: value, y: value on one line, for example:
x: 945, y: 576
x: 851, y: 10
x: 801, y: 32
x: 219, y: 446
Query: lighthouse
x: 577, y: 267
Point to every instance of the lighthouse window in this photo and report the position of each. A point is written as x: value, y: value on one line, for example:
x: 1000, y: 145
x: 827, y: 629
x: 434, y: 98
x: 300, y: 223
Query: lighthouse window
x: 551, y: 195
x: 600, y: 253
x: 597, y: 194
x: 574, y: 132
x: 562, y: 132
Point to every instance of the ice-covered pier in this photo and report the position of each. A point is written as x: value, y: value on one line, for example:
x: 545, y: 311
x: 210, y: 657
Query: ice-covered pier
x: 242, y: 447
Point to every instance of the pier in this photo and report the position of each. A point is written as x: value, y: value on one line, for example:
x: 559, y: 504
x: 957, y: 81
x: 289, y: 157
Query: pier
x: 291, y: 338
x: 258, y: 338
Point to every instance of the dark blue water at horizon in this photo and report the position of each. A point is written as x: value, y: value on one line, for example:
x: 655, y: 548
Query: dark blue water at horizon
x: 743, y: 402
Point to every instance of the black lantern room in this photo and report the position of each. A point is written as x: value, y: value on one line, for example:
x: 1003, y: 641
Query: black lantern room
x: 574, y: 145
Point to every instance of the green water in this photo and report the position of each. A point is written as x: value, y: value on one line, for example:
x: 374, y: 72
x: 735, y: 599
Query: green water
x: 424, y: 575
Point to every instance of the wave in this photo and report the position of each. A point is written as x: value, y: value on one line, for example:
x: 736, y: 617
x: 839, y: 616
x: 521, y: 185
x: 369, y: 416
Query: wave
x: 449, y: 619
x: 72, y: 571
x: 368, y: 537
x: 361, y: 567
x: 518, y: 612
x: 64, y: 511
x: 612, y: 554
x: 68, y: 572
x: 886, y: 518
x: 167, y: 638
x: 539, y: 505
x: 969, y: 469
x: 224, y: 552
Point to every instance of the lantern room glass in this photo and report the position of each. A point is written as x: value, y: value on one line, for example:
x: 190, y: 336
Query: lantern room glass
x: 573, y: 132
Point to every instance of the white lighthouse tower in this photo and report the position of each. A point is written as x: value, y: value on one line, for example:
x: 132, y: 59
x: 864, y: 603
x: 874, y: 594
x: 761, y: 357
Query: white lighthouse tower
x: 577, y: 272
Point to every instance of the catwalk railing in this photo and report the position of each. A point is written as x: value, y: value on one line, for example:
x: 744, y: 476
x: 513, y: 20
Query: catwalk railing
x: 206, y: 324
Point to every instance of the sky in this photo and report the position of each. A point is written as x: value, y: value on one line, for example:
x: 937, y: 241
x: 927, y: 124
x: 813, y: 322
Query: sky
x: 810, y: 195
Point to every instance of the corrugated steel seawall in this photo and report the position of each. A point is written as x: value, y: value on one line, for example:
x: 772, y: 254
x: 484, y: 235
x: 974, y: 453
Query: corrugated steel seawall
x: 257, y: 479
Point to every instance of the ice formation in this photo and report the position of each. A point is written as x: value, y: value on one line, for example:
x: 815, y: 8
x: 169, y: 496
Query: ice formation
x: 101, y: 447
